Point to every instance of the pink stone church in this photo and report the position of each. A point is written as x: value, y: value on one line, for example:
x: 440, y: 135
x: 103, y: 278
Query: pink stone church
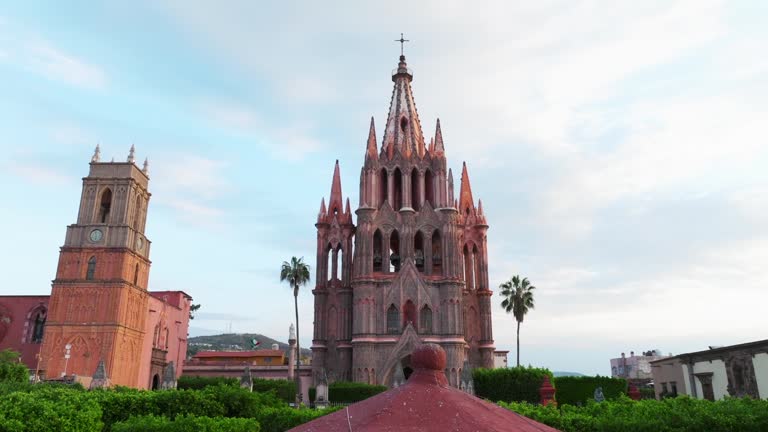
x: 418, y: 272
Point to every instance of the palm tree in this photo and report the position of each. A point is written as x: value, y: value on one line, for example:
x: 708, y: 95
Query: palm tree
x: 518, y: 299
x: 296, y: 273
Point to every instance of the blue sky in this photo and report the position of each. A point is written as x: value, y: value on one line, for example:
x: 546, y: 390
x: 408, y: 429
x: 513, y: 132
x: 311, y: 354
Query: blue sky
x: 619, y: 149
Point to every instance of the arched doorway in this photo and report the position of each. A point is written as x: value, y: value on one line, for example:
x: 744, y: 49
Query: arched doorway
x: 155, y: 382
x: 405, y: 363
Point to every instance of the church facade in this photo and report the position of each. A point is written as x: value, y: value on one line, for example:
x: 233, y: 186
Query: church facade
x: 100, y: 310
x: 418, y: 271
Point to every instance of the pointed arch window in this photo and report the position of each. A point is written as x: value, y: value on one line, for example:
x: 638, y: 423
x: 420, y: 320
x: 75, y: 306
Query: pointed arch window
x: 397, y: 193
x: 383, y: 186
x: 393, y: 319
x: 415, y: 186
x: 137, y: 214
x: 429, y: 188
x: 394, y: 251
x: 136, y: 275
x: 425, y: 320
x: 418, y: 248
x: 37, y: 324
x: 475, y: 268
x: 105, y: 205
x: 409, y: 314
x: 377, y: 251
x: 328, y: 262
x: 437, y: 253
x: 91, y: 270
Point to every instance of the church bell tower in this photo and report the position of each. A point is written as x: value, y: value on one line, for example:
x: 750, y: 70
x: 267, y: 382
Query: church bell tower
x: 419, y: 271
x: 99, y: 298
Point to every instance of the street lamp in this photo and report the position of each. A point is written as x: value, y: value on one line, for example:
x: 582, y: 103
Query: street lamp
x: 66, y: 359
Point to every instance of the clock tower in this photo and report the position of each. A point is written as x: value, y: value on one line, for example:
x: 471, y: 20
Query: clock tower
x: 99, y: 298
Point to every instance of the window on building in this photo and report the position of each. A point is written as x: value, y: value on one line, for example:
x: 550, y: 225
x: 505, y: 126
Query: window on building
x: 105, y: 205
x: 91, y: 268
x: 136, y: 275
x: 415, y: 198
x: 393, y: 319
x: 437, y: 253
x: 377, y: 251
x: 397, y: 193
x: 38, y: 325
x: 394, y: 251
x: 418, y: 246
x: 673, y: 388
x: 409, y: 314
x: 429, y: 188
x: 383, y: 186
x: 425, y: 317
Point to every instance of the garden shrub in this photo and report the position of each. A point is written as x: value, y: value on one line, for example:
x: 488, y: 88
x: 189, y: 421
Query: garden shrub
x: 199, y: 383
x: 186, y: 423
x: 344, y: 391
x: 516, y: 384
x: 10, y: 368
x: 239, y: 402
x: 681, y: 414
x: 578, y: 390
x: 285, y: 389
x: 284, y: 418
x: 61, y: 410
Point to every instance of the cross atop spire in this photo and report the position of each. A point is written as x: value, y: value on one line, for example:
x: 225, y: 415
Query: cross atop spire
x: 402, y: 41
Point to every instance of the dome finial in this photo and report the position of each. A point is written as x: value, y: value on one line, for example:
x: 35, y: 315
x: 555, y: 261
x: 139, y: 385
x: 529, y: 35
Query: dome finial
x: 96, y: 154
x: 132, y: 154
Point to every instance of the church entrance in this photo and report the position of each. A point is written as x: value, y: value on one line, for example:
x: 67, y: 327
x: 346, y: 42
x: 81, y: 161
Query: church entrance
x: 405, y: 363
x: 155, y: 382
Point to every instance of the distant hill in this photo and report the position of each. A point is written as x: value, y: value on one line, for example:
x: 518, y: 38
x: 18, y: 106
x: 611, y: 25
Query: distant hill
x: 235, y: 342
x: 563, y: 374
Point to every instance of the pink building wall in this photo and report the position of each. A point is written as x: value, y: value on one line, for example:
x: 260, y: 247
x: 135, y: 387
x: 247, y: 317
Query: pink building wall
x: 16, y: 325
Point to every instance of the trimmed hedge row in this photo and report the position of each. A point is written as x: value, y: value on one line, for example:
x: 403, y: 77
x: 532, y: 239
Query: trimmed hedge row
x: 284, y: 389
x: 345, y: 391
x: 681, y: 414
x: 44, y: 407
x: 186, y: 423
x: 516, y: 384
x: 578, y: 390
x: 53, y: 409
x: 199, y: 383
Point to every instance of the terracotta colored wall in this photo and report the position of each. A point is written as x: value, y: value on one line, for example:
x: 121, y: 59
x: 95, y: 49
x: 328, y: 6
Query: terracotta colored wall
x: 170, y: 311
x: 16, y: 328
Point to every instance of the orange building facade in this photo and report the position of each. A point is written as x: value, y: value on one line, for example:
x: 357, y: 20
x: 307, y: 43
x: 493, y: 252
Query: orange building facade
x: 100, y: 308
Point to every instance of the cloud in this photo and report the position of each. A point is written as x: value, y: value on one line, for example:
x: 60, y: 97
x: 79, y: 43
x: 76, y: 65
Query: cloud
x: 192, y: 186
x: 45, y: 59
x: 40, y: 174
x: 292, y: 142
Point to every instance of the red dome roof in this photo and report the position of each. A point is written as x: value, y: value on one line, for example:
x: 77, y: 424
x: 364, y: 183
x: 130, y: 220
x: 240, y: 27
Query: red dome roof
x: 424, y: 403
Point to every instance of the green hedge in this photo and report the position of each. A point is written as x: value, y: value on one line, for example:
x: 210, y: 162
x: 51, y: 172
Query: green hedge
x: 198, y: 383
x: 187, y: 423
x: 10, y: 368
x: 578, y: 390
x: 285, y: 390
x: 516, y: 384
x: 344, y: 391
x: 680, y: 414
x: 26, y: 407
x: 52, y: 409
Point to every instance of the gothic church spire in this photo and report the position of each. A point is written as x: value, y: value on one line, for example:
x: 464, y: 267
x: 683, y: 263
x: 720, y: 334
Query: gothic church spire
x: 403, y: 128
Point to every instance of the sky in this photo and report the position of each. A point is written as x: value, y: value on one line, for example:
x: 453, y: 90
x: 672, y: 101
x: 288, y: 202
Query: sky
x: 619, y: 149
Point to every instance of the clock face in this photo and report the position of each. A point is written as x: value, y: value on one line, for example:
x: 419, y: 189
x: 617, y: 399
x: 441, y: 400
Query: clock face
x: 96, y: 235
x: 139, y: 243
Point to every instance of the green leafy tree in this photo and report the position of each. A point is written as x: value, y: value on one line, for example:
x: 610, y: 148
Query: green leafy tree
x: 296, y: 273
x: 518, y: 299
x: 192, y: 309
x: 11, y: 370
